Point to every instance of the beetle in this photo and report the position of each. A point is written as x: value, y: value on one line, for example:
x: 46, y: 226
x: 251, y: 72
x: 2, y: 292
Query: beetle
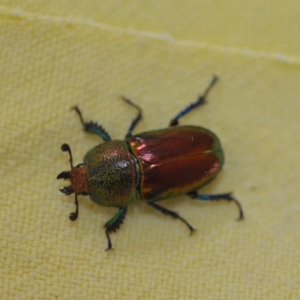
x: 149, y: 166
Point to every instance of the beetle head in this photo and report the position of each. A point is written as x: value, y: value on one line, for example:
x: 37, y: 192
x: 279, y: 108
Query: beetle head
x: 77, y: 176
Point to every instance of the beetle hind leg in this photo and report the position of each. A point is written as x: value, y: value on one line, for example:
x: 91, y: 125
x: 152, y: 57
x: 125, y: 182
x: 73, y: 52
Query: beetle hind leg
x: 172, y: 214
x: 92, y: 127
x: 200, y: 101
x: 226, y: 196
x: 114, y: 224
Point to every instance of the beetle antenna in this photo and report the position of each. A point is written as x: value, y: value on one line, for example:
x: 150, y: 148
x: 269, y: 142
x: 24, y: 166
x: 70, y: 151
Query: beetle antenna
x: 74, y: 215
x: 66, y: 148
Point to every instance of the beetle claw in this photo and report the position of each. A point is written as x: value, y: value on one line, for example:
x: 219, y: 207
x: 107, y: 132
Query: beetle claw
x: 109, y: 249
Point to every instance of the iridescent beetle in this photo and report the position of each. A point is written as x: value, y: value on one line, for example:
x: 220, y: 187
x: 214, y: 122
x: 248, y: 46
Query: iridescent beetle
x: 150, y: 166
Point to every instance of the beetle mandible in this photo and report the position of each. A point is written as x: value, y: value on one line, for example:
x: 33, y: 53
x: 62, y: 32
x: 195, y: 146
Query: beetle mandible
x: 149, y: 166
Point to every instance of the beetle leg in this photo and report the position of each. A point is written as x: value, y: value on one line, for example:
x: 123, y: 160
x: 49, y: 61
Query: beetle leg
x: 92, y: 127
x: 136, y: 119
x: 172, y: 214
x: 227, y: 196
x: 114, y: 224
x: 198, y: 102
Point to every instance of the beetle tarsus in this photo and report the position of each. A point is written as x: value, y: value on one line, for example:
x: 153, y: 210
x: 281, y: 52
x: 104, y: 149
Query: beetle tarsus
x: 225, y: 196
x: 200, y: 101
x: 172, y: 214
x: 114, y: 224
x: 109, y: 244
x: 92, y: 127
x: 136, y: 119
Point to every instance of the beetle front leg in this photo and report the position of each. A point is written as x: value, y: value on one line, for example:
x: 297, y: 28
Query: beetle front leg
x: 114, y: 224
x: 92, y: 127
x: 226, y: 196
x: 172, y: 214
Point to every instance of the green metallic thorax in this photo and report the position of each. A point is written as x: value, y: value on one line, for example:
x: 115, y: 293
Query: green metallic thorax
x: 111, y: 174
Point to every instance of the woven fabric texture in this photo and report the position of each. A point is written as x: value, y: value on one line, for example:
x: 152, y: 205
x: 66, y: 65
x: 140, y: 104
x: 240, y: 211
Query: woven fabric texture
x: 162, y: 55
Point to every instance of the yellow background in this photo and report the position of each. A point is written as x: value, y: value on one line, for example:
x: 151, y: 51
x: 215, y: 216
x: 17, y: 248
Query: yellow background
x: 161, y: 54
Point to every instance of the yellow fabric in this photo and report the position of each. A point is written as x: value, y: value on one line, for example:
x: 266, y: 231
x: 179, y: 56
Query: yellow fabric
x: 161, y: 54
